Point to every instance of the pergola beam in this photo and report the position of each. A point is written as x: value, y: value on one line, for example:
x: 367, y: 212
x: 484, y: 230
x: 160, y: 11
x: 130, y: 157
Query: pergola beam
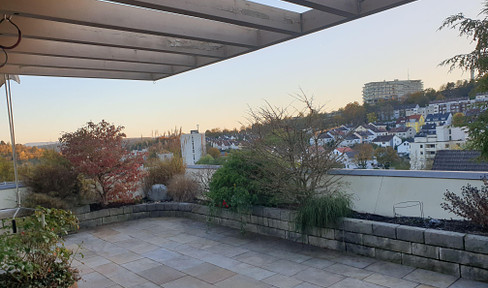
x: 238, y: 12
x: 91, y: 64
x: 86, y: 51
x: 94, y: 13
x: 344, y: 8
x: 316, y: 20
x: 79, y: 73
x: 49, y: 30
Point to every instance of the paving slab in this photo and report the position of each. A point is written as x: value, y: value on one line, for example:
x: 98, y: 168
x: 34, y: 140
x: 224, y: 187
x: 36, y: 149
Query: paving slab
x: 182, y: 253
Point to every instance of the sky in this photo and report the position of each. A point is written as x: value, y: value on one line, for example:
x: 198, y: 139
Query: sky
x: 332, y: 66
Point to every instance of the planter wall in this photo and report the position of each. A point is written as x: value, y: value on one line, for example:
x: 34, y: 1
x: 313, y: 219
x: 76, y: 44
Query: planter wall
x: 457, y: 254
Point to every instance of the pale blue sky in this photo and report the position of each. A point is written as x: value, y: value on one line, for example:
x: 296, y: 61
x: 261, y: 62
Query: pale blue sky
x: 332, y: 65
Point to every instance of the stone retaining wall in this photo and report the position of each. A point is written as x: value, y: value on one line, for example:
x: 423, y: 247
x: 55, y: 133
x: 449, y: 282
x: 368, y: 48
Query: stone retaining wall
x: 457, y: 254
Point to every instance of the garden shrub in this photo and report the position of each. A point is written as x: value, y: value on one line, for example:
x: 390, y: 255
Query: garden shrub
x: 35, y: 256
x: 322, y: 211
x: 240, y: 182
x: 473, y: 205
x: 53, y: 182
x: 183, y: 189
x: 161, y: 171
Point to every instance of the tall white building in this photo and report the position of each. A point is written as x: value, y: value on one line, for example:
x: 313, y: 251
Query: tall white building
x: 193, y: 147
x: 390, y: 90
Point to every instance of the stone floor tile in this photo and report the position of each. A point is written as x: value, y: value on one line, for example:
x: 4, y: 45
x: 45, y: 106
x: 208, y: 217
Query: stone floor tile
x: 318, y: 263
x: 221, y: 261
x: 184, y: 238
x: 209, y: 272
x: 95, y: 279
x: 287, y: 255
x: 187, y: 282
x: 390, y: 269
x: 390, y: 282
x: 161, y: 274
x: 125, y: 257
x: 354, y: 283
x: 183, y: 262
x: 307, y: 285
x: 462, y: 283
x: 94, y: 261
x: 252, y: 271
x: 226, y: 250
x: 241, y: 281
x: 127, y: 279
x: 234, y: 241
x: 161, y: 255
x: 254, y: 258
x: 145, y: 285
x: 282, y: 281
x: 141, y: 265
x: 318, y: 277
x: 355, y: 261
x: 431, y: 278
x: 285, y: 267
x: 348, y: 271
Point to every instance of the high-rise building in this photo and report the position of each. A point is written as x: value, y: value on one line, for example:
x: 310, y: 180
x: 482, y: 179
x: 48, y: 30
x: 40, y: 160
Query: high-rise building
x: 390, y: 90
x: 193, y: 147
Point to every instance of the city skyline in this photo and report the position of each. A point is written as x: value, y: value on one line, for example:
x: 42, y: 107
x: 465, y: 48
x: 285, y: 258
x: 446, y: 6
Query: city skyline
x: 331, y: 65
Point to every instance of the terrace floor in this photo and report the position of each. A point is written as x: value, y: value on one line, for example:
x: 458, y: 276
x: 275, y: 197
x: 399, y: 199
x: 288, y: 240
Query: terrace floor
x: 179, y: 252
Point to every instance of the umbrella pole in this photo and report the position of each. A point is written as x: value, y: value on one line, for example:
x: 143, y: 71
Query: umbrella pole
x: 8, y: 96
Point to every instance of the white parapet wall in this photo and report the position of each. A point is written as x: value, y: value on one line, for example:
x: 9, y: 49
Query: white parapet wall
x: 378, y: 191
x: 8, y: 197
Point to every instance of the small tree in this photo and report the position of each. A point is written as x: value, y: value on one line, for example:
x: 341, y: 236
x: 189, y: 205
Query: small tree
x: 289, y: 138
x: 97, y: 151
x: 363, y: 155
x: 458, y: 120
x: 214, y: 152
x: 386, y: 156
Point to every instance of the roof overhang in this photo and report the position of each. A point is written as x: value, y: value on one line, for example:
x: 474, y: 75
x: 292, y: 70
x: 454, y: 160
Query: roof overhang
x: 154, y: 39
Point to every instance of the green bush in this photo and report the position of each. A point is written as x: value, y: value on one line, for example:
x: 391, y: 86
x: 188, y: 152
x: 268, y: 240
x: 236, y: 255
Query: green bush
x: 322, y: 211
x: 240, y: 182
x: 53, y: 182
x: 36, y: 255
x: 183, y: 189
x: 161, y: 171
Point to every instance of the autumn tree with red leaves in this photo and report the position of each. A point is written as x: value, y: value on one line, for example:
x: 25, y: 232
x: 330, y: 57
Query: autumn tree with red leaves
x: 97, y: 152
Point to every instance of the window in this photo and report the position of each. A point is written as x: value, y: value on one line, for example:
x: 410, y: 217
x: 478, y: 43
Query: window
x: 421, y: 146
x: 421, y: 153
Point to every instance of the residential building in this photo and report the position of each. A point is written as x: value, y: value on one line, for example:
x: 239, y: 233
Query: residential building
x: 439, y: 119
x: 415, y: 121
x: 402, y: 132
x: 387, y: 141
x: 390, y: 90
x: 425, y: 146
x: 193, y: 147
x: 365, y: 136
x: 350, y: 140
x: 404, y: 148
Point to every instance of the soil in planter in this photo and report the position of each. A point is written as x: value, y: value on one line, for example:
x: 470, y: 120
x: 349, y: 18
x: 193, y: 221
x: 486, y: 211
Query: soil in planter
x: 448, y: 225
